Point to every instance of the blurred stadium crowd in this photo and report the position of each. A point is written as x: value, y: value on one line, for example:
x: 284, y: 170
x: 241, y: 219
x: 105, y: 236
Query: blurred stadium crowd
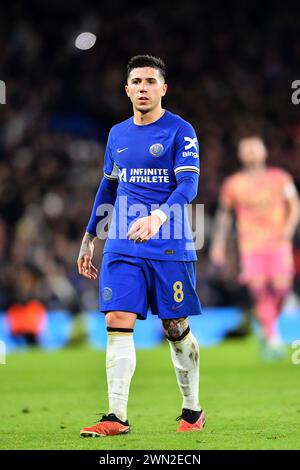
x: 229, y: 73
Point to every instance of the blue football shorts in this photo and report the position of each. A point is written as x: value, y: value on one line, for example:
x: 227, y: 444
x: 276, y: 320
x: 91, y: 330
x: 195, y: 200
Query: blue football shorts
x: 134, y: 285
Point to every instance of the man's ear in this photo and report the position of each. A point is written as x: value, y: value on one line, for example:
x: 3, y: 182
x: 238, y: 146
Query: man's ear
x: 165, y: 88
x: 127, y: 90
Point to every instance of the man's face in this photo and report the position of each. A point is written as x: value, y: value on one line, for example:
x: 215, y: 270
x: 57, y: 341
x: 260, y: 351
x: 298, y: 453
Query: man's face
x: 145, y: 88
x: 252, y: 151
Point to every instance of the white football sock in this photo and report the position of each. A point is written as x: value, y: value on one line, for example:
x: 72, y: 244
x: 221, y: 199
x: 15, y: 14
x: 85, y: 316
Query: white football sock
x: 185, y: 357
x: 120, y: 366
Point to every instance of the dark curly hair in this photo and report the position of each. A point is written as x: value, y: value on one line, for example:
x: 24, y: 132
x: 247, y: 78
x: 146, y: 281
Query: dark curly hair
x: 147, y: 60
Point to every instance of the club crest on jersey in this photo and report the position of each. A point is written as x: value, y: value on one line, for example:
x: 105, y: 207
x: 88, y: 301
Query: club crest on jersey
x: 156, y: 150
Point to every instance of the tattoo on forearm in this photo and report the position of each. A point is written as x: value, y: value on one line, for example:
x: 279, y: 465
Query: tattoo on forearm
x: 221, y: 226
x: 85, y: 245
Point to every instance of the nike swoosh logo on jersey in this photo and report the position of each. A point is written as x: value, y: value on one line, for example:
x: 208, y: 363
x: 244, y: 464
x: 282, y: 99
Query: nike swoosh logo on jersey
x: 122, y: 150
x: 175, y: 307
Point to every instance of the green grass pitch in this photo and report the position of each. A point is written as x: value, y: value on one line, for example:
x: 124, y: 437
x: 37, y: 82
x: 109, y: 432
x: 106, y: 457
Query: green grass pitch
x: 46, y: 397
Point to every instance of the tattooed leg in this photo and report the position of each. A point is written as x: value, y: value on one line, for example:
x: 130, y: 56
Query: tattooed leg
x: 185, y: 357
x: 176, y: 329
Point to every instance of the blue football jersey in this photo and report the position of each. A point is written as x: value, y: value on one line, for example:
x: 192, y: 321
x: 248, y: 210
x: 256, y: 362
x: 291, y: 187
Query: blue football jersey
x: 145, y: 160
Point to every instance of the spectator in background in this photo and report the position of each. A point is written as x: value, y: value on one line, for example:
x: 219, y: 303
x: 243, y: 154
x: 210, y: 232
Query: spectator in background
x: 27, y: 314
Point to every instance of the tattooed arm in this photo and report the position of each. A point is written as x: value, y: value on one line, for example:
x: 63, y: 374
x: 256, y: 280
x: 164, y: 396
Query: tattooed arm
x: 84, y: 261
x: 220, y: 233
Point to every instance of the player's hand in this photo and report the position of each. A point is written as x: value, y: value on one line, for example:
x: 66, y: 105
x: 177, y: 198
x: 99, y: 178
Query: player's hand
x: 84, y: 261
x: 217, y: 255
x: 144, y: 228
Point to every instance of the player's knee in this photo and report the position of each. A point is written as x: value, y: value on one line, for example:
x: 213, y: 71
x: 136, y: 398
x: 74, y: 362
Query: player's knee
x: 176, y: 329
x: 120, y: 319
x: 258, y: 291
